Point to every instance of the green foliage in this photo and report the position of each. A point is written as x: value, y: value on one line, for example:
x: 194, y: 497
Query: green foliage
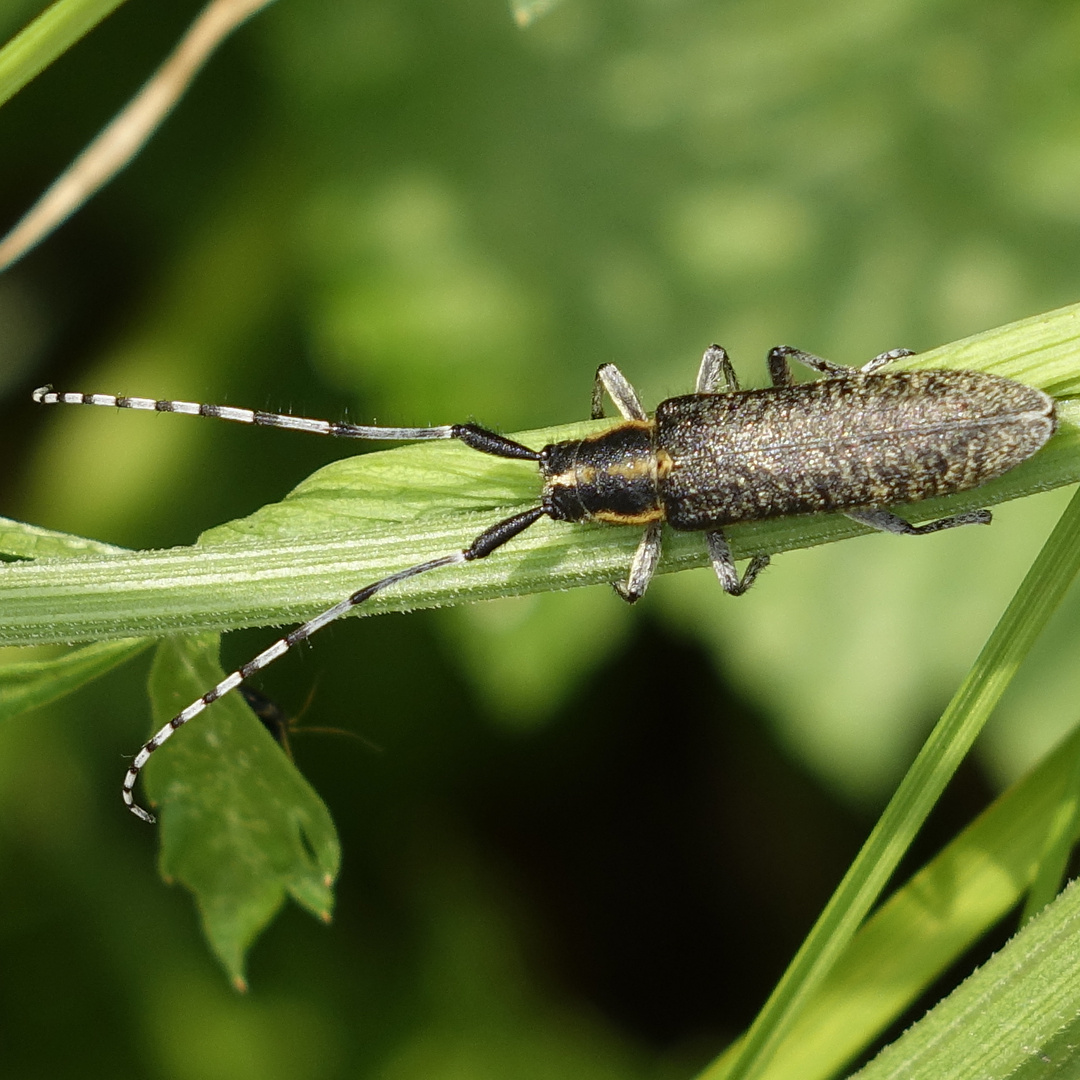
x: 416, y: 503
x: 412, y: 210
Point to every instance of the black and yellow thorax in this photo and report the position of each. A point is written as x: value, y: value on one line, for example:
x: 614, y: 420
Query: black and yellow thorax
x: 614, y: 476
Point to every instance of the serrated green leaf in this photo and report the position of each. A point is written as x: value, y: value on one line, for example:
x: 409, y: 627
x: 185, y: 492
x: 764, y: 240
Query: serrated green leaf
x: 240, y: 827
x: 33, y: 683
x: 1018, y: 1016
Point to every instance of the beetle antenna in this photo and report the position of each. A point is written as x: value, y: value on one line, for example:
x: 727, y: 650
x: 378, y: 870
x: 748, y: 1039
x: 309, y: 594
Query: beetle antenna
x: 488, y: 442
x: 487, y: 542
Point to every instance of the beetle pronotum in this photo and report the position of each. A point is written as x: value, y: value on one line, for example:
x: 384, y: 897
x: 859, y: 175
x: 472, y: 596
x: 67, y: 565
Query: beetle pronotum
x: 855, y: 442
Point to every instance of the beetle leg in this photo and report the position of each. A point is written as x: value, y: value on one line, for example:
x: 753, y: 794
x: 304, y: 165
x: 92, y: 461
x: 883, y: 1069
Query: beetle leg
x: 611, y: 379
x: 644, y: 565
x: 884, y: 521
x: 724, y: 564
x: 716, y: 369
x: 886, y: 358
x: 780, y: 363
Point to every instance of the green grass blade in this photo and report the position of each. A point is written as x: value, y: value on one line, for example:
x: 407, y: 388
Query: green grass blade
x: 1018, y: 1016
x: 53, y: 32
x: 930, y: 922
x: 364, y: 517
x: 1034, y: 602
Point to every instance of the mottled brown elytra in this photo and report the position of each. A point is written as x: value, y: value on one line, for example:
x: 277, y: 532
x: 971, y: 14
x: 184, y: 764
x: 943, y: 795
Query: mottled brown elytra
x: 855, y: 442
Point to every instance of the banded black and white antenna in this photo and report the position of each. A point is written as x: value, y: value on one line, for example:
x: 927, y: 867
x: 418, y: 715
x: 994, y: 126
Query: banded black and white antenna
x: 478, y: 438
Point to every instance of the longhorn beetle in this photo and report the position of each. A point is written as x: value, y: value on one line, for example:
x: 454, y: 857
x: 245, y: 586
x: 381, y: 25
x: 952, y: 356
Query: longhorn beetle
x: 855, y: 442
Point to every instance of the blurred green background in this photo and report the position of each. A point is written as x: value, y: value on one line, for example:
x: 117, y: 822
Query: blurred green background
x: 591, y: 837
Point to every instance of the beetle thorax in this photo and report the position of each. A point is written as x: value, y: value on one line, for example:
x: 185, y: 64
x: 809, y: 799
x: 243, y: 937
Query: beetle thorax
x: 613, y: 476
